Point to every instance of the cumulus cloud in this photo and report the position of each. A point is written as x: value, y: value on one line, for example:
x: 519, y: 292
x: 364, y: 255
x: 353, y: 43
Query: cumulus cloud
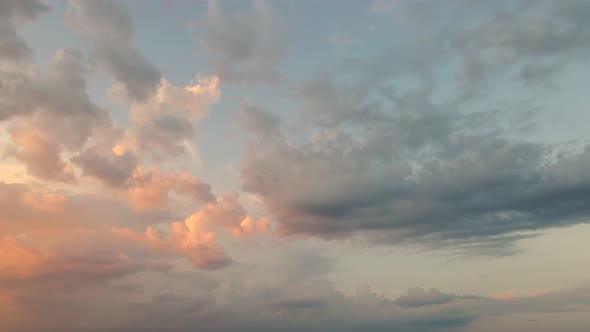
x: 246, y: 47
x: 195, y: 237
x: 191, y: 238
x: 163, y: 125
x: 110, y: 27
x: 41, y: 154
x: 51, y: 114
x: 150, y: 188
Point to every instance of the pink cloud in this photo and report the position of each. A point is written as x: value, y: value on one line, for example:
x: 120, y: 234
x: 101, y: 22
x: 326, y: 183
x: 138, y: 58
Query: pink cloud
x: 98, y: 256
x: 49, y: 202
x: 151, y: 188
x: 513, y: 295
x: 196, y: 238
x: 189, y: 238
x: 40, y: 153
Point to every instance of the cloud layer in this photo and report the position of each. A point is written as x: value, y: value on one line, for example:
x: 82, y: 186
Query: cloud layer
x: 432, y: 134
x: 401, y: 165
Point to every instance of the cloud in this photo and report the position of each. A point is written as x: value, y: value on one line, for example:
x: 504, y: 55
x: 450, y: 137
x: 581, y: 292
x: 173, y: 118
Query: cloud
x: 50, y: 202
x: 386, y: 158
x: 109, y: 25
x: 32, y: 209
x: 112, y: 168
x: 13, y: 49
x: 162, y: 125
x: 418, y: 297
x: 246, y: 47
x: 38, y: 260
x: 150, y: 188
x: 41, y: 154
x: 190, y: 238
x: 196, y: 237
x: 50, y: 115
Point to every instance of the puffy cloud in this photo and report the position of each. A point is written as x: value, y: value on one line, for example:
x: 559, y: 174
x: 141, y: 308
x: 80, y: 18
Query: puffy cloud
x: 109, y: 25
x: 163, y: 123
x: 41, y: 154
x: 51, y: 115
x: 191, y: 238
x: 195, y: 237
x: 112, y: 168
x: 150, y: 188
x: 246, y: 47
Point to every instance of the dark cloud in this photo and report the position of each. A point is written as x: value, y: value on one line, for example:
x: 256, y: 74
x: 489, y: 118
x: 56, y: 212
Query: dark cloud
x: 418, y: 297
x: 111, y: 168
x: 53, y: 114
x: 166, y: 133
x: 12, y: 46
x: 109, y: 25
x: 393, y: 161
x: 523, y: 38
x: 255, y: 119
x: 246, y: 47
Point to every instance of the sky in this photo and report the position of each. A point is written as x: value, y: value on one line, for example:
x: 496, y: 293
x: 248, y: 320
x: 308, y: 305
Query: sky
x: 334, y: 165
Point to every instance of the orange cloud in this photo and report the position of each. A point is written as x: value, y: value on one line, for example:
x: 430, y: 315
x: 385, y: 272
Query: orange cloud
x: 98, y: 256
x: 41, y: 154
x: 511, y: 295
x: 51, y: 202
x: 228, y: 213
x: 195, y: 237
x: 150, y: 189
x: 190, y: 238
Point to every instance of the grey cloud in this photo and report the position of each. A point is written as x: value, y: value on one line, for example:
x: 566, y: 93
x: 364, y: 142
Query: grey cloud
x: 418, y: 297
x: 166, y: 135
x: 536, y: 35
x: 113, y: 169
x: 170, y: 311
x: 40, y: 154
x: 109, y: 25
x: 298, y: 304
x: 244, y: 48
x: 397, y: 164
x: 22, y: 9
x: 59, y: 115
x: 255, y: 119
x: 12, y: 46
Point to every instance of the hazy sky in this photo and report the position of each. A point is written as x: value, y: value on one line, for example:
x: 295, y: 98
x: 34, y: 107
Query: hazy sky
x: 334, y: 165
